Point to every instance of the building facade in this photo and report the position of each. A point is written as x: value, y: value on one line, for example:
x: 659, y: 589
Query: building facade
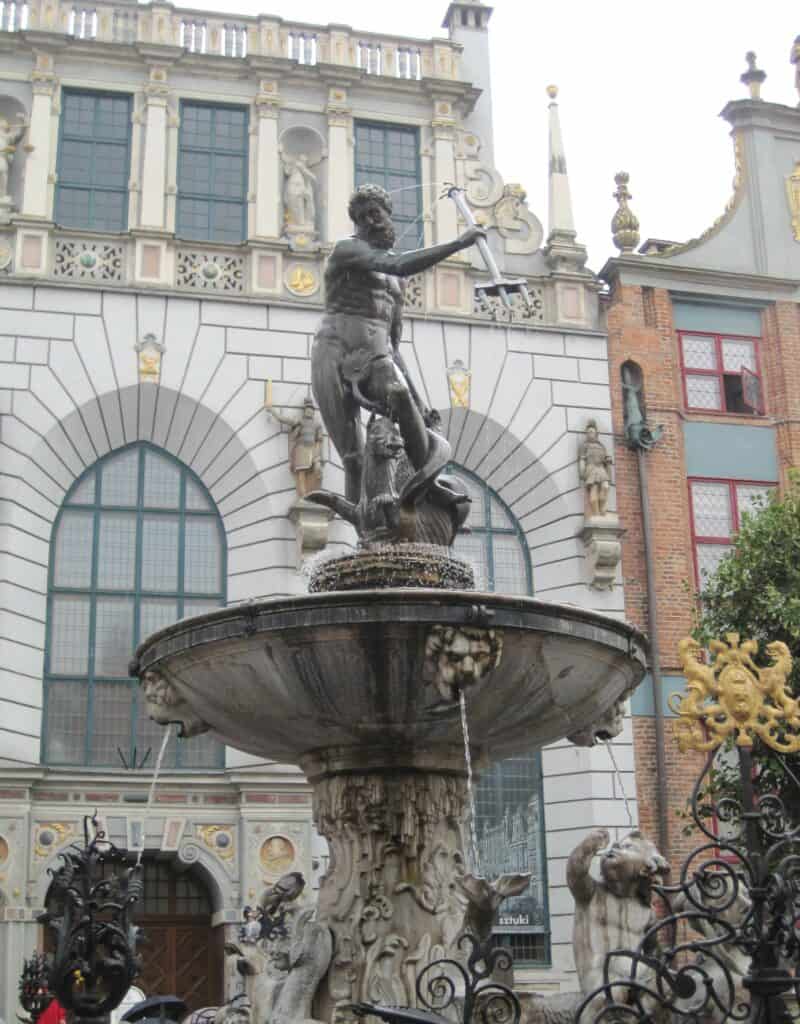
x: 172, y: 184
x: 713, y: 326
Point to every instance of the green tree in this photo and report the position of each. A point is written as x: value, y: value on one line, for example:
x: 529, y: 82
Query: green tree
x: 755, y: 590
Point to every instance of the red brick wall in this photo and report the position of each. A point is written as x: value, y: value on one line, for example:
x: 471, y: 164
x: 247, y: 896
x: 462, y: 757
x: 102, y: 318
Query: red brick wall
x: 640, y: 328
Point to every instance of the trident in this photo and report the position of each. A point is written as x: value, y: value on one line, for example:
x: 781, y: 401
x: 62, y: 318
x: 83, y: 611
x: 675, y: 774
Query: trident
x: 497, y: 284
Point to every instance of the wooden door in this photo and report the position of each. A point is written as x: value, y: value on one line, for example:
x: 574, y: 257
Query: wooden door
x: 182, y: 953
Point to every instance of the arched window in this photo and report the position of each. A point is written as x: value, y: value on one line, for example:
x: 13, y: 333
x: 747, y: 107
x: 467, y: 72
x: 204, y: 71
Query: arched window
x: 508, y: 798
x: 138, y: 544
x: 495, y: 545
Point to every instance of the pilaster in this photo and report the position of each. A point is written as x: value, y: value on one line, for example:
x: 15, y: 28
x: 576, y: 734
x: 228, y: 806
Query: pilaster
x: 36, y: 193
x: 443, y: 126
x: 154, y: 163
x: 340, y: 163
x: 268, y: 185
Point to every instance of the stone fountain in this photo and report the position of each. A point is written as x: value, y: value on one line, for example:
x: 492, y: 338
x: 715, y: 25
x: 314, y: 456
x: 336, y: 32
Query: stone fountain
x: 363, y: 681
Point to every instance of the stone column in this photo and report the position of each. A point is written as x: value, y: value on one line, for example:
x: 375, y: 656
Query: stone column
x: 340, y: 164
x: 393, y: 822
x: 41, y: 136
x: 268, y: 179
x: 444, y: 163
x: 154, y: 161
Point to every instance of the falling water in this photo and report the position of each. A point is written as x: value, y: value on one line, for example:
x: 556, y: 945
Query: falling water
x: 618, y: 774
x: 151, y: 794
x: 473, y: 835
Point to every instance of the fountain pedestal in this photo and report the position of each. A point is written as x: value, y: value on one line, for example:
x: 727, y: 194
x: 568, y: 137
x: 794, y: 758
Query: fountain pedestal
x: 394, y: 822
x: 361, y: 690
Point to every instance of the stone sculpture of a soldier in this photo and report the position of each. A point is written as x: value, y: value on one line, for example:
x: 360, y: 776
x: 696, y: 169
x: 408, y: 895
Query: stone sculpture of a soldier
x: 594, y: 464
x: 305, y: 447
x: 355, y: 361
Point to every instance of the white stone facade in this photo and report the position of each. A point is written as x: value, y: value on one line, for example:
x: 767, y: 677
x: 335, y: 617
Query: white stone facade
x: 72, y: 389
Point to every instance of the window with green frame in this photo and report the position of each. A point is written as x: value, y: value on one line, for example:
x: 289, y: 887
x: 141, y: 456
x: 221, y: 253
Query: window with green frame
x: 388, y: 155
x: 137, y: 545
x: 93, y: 160
x: 509, y: 800
x: 212, y: 173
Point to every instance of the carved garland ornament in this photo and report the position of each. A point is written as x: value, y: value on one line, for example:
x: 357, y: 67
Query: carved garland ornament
x: 733, y: 697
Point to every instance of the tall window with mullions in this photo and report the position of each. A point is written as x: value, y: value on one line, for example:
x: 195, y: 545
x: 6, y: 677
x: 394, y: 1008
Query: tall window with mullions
x: 388, y: 155
x: 509, y: 797
x: 138, y: 544
x: 93, y: 161
x: 212, y: 173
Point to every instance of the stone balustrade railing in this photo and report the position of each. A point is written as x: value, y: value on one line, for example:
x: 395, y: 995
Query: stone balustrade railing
x: 203, y: 32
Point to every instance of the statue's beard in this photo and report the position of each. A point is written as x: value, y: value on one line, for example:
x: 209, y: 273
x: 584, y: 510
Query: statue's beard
x: 381, y: 236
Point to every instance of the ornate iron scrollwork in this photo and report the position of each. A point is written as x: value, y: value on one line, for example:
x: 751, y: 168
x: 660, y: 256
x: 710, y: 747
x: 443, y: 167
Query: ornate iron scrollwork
x: 34, y: 986
x: 89, y: 908
x: 728, y: 948
x: 444, y: 983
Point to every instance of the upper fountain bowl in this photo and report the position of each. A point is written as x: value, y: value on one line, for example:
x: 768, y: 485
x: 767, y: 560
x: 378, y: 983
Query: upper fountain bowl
x: 381, y: 669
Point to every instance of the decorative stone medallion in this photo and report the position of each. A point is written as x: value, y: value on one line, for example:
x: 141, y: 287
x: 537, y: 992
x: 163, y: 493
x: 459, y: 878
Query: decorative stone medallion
x: 218, y: 838
x: 277, y: 854
x: 48, y: 837
x: 301, y: 279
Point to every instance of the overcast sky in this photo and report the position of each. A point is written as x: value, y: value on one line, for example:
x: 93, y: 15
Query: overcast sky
x: 641, y: 84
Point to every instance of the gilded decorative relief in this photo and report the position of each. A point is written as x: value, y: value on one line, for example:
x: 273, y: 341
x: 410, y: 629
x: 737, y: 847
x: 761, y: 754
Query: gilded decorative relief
x: 277, y: 854
x: 793, y: 196
x: 48, y: 837
x: 219, y: 839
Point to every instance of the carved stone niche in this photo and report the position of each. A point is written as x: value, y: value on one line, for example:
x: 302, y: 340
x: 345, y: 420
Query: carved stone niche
x: 301, y: 149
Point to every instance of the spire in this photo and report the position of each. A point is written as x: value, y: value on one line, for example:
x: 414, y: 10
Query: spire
x: 562, y: 249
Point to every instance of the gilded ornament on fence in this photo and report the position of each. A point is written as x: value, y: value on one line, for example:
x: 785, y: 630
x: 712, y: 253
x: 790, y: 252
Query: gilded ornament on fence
x: 734, y: 697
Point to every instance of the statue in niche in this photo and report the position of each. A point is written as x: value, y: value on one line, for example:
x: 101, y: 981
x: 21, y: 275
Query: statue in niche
x: 305, y: 446
x: 356, y: 365
x: 300, y: 210
x: 9, y: 137
x: 594, y: 463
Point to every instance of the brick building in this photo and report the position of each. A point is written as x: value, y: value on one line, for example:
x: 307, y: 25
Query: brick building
x: 714, y: 327
x: 161, y: 253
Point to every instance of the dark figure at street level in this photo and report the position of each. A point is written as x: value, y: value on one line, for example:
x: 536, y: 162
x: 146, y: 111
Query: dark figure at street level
x: 356, y: 361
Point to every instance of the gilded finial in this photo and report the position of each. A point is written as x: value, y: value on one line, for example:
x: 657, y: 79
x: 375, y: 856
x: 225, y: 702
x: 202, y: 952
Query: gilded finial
x: 733, y: 697
x: 552, y: 91
x: 753, y: 78
x: 624, y: 225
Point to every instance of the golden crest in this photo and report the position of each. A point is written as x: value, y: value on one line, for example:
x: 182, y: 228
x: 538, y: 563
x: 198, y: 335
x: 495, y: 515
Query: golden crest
x: 793, y: 195
x: 301, y: 280
x: 50, y: 836
x: 733, y: 697
x: 459, y: 378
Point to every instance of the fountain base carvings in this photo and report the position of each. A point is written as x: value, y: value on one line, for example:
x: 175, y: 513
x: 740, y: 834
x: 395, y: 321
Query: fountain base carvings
x: 390, y: 898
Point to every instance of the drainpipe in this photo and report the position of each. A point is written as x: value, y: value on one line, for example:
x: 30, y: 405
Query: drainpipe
x: 655, y: 655
x: 640, y: 438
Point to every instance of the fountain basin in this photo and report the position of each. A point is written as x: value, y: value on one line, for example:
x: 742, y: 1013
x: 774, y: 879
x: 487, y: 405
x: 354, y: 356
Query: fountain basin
x: 370, y: 671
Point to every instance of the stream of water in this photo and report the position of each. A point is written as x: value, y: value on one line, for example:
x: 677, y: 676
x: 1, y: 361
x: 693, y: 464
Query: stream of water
x: 618, y: 774
x: 152, y: 792
x: 472, y: 852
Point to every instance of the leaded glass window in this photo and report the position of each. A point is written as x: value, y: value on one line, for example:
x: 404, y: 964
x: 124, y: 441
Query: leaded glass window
x: 717, y: 507
x: 212, y: 173
x: 721, y: 372
x: 93, y: 160
x: 509, y: 798
x: 137, y: 545
x: 388, y: 155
